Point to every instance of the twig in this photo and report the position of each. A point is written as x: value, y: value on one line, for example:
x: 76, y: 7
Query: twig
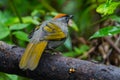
x: 12, y: 5
x: 110, y: 51
x: 112, y: 44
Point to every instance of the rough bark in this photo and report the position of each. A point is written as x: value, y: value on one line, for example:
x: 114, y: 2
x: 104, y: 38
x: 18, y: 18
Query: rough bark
x: 55, y: 67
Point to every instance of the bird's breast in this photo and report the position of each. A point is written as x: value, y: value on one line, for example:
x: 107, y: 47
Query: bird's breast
x: 54, y: 44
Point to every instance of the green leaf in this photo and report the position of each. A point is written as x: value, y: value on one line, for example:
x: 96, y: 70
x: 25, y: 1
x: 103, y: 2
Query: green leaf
x: 115, y: 18
x: 21, y: 35
x: 107, y: 8
x: 4, y: 16
x: 4, y: 76
x: 69, y: 54
x: 107, y: 31
x: 4, y: 31
x: 29, y: 19
x: 68, y: 43
x: 11, y: 21
x: 74, y: 26
x: 12, y: 77
x: 18, y: 26
x: 81, y: 49
x: 77, y: 51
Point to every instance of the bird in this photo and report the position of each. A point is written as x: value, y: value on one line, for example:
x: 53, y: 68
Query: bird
x: 49, y: 35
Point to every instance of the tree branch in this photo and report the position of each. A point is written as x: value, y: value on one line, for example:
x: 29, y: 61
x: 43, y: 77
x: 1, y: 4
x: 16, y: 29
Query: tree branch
x: 55, y: 67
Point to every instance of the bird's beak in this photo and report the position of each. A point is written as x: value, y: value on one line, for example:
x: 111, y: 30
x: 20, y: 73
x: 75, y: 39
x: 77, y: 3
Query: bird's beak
x: 70, y: 22
x: 70, y: 16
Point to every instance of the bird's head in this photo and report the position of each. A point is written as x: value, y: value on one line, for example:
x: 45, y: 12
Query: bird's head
x: 63, y: 17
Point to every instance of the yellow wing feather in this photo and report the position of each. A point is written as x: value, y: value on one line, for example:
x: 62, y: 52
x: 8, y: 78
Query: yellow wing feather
x: 55, y: 36
x: 54, y: 27
x: 55, y: 32
x: 32, y: 55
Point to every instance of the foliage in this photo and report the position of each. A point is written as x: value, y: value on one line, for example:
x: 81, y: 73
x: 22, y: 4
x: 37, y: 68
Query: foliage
x: 4, y: 76
x: 108, y: 7
x: 77, y: 51
x: 19, y: 17
x: 107, y: 31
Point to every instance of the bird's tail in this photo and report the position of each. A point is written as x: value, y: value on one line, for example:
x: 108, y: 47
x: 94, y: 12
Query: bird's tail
x: 32, y: 55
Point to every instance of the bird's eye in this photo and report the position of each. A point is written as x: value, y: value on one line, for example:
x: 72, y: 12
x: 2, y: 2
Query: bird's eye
x: 66, y: 19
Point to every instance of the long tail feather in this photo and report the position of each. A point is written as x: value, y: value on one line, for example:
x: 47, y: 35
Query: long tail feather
x: 26, y: 56
x: 32, y: 55
x: 36, y: 55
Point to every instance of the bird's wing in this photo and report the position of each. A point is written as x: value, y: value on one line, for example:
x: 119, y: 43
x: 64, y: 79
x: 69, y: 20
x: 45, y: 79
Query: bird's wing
x: 54, y: 32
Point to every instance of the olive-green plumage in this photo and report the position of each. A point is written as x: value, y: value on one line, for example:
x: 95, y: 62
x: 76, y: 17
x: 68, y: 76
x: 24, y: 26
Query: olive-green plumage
x: 50, y: 34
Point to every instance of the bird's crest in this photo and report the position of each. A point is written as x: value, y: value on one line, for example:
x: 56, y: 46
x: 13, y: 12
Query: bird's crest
x: 60, y: 15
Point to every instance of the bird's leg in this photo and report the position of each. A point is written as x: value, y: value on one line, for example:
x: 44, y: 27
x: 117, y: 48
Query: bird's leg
x: 53, y: 51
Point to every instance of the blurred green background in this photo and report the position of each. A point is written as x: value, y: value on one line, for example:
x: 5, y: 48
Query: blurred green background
x: 19, y: 17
